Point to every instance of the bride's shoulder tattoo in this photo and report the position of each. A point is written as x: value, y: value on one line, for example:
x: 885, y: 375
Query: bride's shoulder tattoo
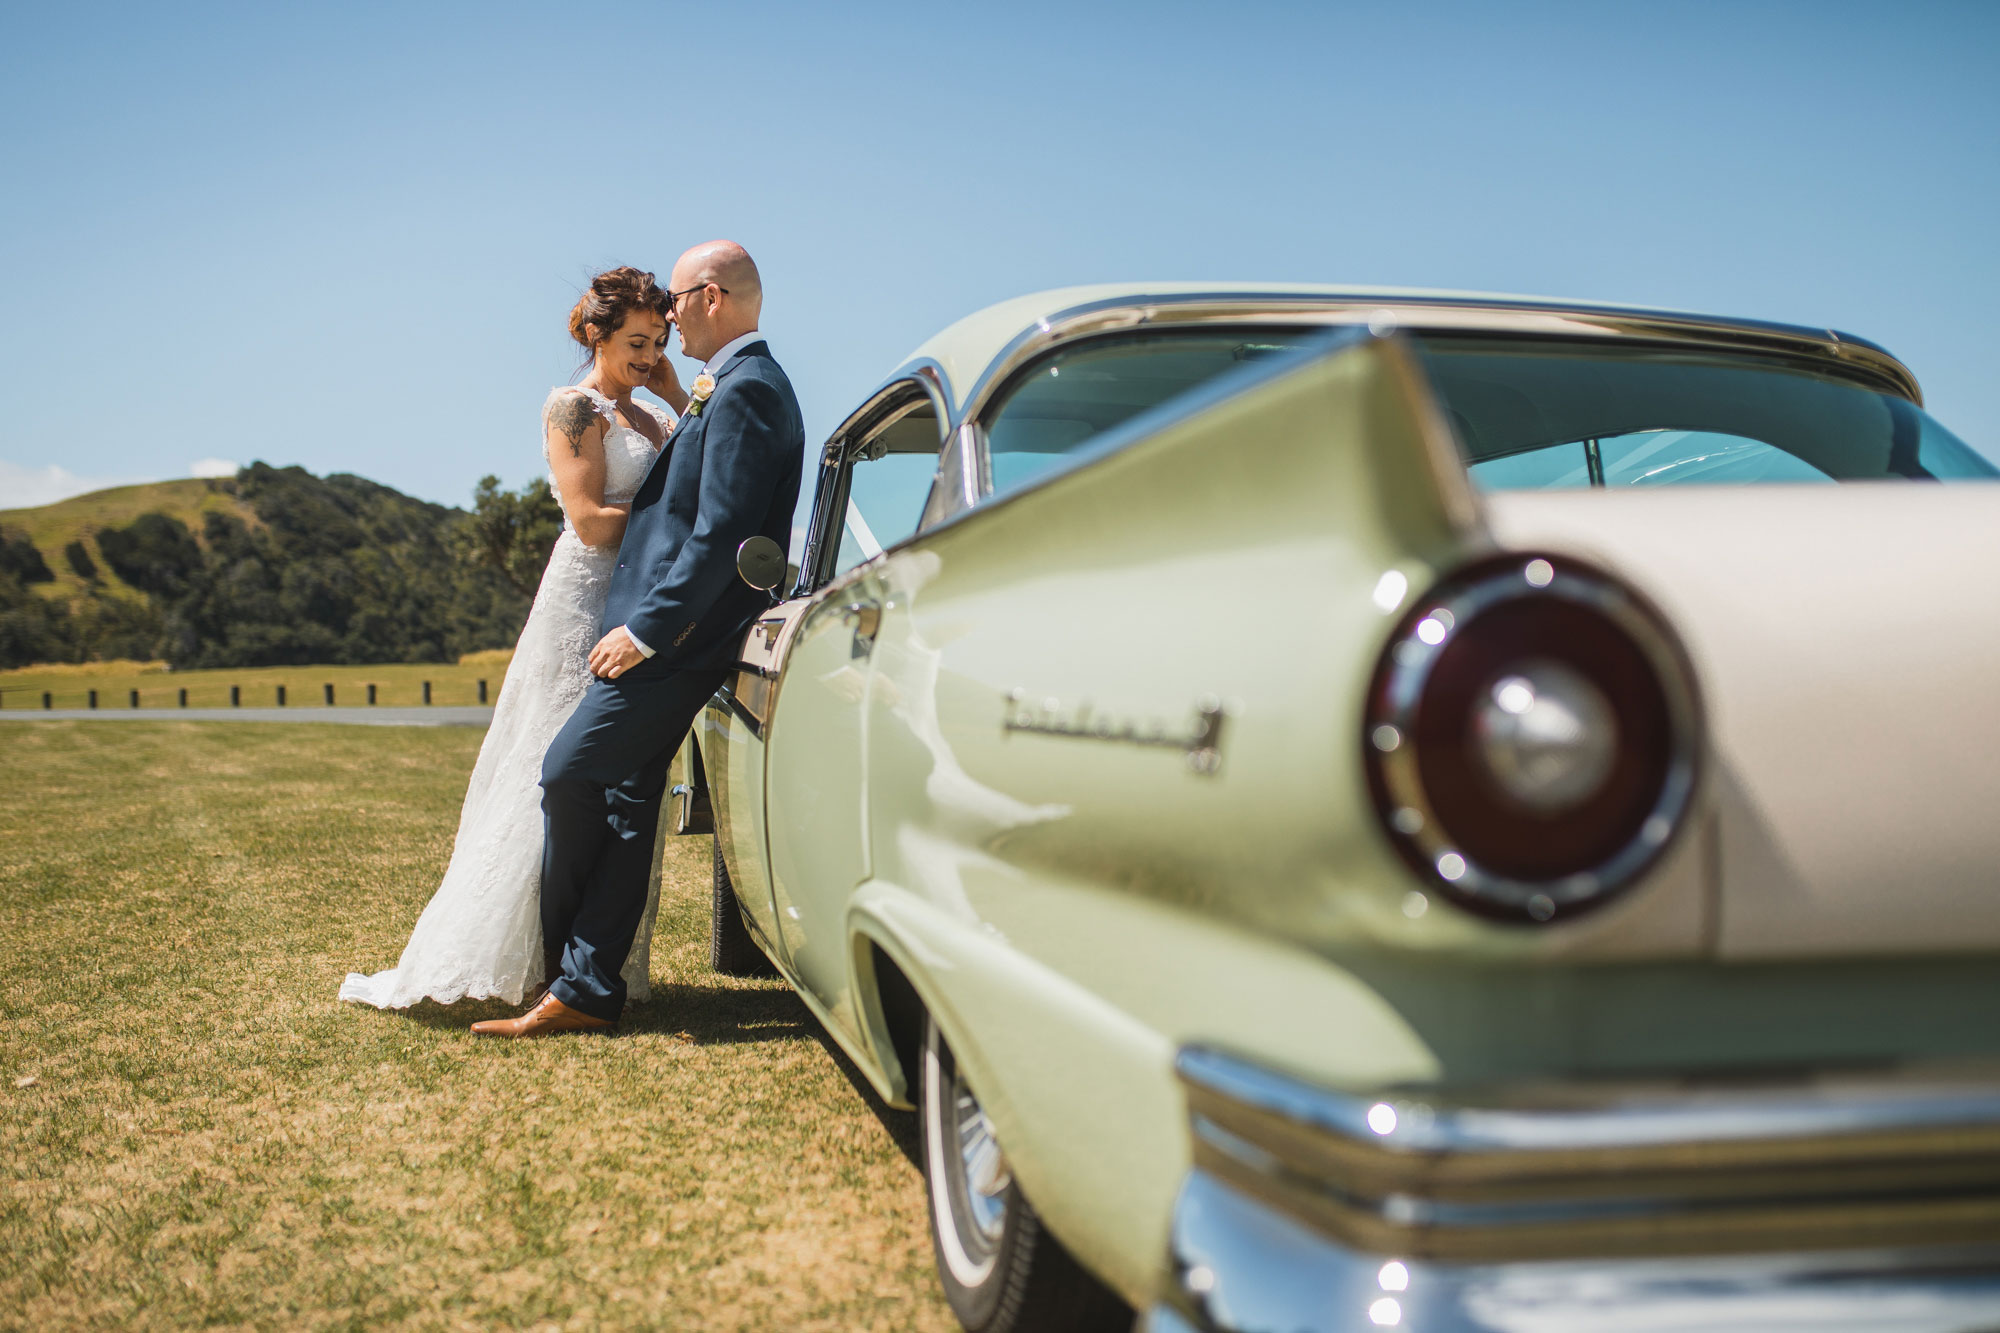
x: 573, y: 415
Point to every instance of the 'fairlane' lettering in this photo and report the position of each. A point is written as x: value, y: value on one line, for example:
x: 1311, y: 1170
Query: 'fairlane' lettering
x: 1202, y: 744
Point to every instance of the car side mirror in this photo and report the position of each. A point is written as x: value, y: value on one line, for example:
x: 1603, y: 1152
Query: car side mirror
x: 761, y: 562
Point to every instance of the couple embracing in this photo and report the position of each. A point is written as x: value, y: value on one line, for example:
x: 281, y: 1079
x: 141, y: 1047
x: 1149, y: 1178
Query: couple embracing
x: 636, y: 623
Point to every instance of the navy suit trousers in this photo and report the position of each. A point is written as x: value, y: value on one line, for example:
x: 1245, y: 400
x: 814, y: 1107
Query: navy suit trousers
x: 601, y: 784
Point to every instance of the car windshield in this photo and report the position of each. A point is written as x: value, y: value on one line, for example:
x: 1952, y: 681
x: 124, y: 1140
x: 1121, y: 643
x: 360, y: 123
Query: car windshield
x: 1529, y: 413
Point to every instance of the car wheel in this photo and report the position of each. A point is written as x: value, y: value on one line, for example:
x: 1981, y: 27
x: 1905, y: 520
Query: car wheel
x: 1001, y: 1271
x: 731, y: 951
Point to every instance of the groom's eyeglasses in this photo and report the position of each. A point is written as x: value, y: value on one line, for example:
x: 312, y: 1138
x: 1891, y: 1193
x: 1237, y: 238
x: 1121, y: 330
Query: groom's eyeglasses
x: 675, y: 297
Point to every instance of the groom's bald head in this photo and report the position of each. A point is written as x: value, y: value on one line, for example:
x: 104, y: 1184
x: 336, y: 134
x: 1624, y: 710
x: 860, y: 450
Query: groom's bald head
x: 725, y: 263
x: 730, y: 299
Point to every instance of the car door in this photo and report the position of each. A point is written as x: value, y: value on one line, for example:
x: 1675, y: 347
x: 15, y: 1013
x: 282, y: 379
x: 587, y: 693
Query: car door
x: 875, y: 481
x: 730, y: 736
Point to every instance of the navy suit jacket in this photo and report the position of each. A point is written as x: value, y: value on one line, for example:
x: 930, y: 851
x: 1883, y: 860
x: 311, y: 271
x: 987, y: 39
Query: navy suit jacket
x: 725, y: 475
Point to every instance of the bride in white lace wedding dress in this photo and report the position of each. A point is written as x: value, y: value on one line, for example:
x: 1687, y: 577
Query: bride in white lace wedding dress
x: 481, y: 935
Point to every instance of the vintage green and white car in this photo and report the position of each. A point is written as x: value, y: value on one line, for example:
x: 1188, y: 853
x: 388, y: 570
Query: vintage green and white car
x: 1329, y: 831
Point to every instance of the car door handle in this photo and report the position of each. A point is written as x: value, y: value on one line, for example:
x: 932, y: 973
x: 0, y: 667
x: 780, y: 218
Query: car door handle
x: 866, y: 617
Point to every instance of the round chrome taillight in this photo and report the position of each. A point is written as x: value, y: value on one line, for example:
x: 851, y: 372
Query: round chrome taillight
x: 1532, y: 737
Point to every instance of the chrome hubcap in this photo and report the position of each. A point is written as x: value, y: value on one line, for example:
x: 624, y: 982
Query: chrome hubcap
x: 983, y: 1165
x: 966, y: 1171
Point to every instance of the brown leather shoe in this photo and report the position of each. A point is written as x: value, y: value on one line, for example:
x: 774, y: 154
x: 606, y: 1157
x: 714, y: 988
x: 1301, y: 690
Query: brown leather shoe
x: 551, y: 969
x: 549, y: 1016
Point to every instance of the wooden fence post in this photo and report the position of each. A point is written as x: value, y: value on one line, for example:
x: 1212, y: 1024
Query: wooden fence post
x: 371, y: 695
x: 184, y: 696
x: 427, y: 694
x: 235, y: 696
x: 482, y: 691
x: 135, y: 698
x: 329, y: 694
x: 93, y: 698
x: 48, y: 700
x: 281, y: 696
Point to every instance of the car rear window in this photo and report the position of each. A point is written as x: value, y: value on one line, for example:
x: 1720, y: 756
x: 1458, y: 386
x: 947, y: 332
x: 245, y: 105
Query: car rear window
x: 1544, y: 415
x: 1529, y: 414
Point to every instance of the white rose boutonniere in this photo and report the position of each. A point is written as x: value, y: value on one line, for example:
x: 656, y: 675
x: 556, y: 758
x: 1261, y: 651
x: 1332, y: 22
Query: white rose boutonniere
x: 698, y: 392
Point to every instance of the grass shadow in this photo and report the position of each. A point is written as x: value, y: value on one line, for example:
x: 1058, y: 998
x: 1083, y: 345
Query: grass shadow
x: 721, y: 1015
x: 900, y: 1126
x: 447, y: 1017
x: 704, y: 1015
x: 714, y: 1016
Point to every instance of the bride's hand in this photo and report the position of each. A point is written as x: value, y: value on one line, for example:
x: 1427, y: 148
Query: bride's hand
x: 664, y: 383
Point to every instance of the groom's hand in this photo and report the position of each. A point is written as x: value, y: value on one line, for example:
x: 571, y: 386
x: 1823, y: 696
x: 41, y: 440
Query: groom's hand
x: 614, y: 655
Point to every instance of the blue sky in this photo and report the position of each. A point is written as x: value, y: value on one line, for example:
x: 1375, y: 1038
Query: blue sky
x: 348, y: 236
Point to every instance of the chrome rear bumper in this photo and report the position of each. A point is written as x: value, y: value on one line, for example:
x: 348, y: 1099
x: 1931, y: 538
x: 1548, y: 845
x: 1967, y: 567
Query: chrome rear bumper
x: 1862, y: 1204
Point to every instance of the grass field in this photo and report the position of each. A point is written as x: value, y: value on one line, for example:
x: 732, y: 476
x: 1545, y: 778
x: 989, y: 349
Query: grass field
x: 396, y: 685
x: 197, y: 1134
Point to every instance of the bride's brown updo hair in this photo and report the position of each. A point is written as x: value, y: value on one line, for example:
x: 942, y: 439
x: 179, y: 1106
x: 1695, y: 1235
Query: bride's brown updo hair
x: 612, y: 297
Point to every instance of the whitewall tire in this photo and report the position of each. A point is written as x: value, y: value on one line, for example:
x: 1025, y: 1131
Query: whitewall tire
x: 1001, y: 1270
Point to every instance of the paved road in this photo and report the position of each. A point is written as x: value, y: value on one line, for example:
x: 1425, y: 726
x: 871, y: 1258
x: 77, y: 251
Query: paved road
x: 363, y: 717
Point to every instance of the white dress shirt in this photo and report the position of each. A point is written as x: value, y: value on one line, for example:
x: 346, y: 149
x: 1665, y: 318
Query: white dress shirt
x: 729, y: 349
x: 709, y: 367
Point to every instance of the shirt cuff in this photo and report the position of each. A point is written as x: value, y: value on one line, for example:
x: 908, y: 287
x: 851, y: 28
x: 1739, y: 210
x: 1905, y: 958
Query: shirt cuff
x: 638, y: 643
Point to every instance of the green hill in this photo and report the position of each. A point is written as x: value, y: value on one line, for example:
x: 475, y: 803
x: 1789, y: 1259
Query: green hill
x: 53, y: 528
x: 271, y: 567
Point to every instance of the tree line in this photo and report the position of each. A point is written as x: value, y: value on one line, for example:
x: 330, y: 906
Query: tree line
x: 335, y: 569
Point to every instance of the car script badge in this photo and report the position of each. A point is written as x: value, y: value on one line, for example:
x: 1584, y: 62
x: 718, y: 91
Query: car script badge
x: 1201, y: 742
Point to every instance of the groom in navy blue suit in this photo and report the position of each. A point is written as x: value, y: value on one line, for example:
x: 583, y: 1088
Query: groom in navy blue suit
x: 673, y: 620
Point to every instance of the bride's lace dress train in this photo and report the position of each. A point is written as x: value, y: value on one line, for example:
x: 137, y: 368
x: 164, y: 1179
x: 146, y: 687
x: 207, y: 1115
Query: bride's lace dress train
x: 480, y: 937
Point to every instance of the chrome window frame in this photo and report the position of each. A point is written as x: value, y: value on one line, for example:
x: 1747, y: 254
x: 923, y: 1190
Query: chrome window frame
x: 1828, y: 349
x: 890, y: 401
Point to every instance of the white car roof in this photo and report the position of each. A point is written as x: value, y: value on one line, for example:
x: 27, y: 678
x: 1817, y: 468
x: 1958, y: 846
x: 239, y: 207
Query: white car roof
x: 965, y: 350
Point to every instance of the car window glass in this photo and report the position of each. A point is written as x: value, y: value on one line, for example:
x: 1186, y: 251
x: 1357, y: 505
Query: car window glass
x: 1068, y: 399
x: 1645, y: 458
x: 1672, y: 457
x: 1553, y: 467
x: 1543, y: 414
x: 889, y: 478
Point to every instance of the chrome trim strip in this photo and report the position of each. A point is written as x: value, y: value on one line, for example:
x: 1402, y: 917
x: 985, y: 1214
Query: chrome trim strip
x: 1583, y: 1122
x: 1380, y: 313
x: 975, y: 478
x: 954, y: 489
x: 1239, y: 1267
x: 728, y: 699
x: 1581, y: 1170
x: 924, y: 372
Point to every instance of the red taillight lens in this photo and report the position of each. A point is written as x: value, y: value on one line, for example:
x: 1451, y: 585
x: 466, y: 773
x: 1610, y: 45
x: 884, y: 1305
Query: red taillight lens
x: 1532, y: 737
